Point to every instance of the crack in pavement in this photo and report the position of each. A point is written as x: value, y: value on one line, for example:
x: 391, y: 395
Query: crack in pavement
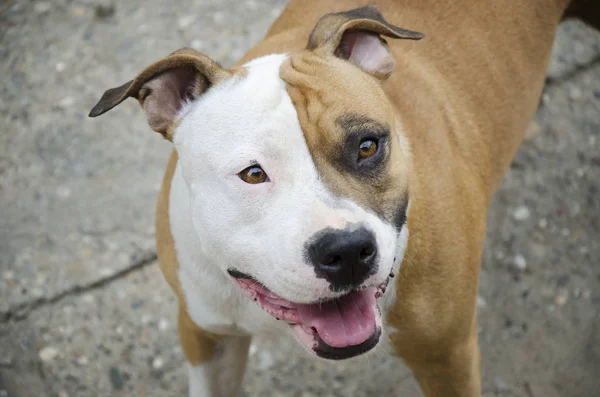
x: 21, y: 311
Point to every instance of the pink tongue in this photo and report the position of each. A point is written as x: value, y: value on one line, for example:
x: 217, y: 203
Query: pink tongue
x: 347, y: 321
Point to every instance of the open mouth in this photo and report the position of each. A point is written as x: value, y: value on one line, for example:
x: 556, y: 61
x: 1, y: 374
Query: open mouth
x: 334, y: 329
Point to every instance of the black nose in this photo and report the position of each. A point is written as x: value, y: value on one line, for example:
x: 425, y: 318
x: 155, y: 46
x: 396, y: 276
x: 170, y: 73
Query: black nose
x: 344, y: 258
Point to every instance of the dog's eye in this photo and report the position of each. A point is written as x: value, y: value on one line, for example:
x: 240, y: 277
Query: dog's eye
x: 253, y: 175
x: 367, y: 148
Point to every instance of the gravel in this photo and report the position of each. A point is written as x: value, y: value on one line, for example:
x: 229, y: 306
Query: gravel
x: 84, y: 310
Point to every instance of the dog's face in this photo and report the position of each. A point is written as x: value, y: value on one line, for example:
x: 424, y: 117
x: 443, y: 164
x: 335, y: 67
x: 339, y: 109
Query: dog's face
x: 310, y: 212
x: 297, y: 178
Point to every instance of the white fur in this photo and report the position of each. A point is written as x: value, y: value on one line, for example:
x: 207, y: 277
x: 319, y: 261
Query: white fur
x: 199, y: 381
x: 219, y: 222
x: 390, y: 296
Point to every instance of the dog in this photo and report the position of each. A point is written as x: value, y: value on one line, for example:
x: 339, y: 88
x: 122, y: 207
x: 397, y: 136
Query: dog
x: 334, y: 185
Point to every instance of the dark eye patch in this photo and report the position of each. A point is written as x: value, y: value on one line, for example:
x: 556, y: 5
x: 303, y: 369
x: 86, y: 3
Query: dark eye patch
x: 399, y: 219
x: 357, y: 129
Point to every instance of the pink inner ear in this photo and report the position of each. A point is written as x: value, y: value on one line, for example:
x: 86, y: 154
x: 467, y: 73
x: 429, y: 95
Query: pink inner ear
x: 167, y: 92
x: 367, y: 51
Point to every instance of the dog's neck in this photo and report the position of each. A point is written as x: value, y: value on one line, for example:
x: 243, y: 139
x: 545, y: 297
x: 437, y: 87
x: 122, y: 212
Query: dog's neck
x: 489, y: 58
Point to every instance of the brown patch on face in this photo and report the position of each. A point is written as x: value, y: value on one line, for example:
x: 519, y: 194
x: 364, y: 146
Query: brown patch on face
x: 339, y: 106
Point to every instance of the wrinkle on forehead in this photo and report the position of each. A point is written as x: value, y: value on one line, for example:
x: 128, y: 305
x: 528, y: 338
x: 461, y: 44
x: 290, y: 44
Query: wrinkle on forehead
x: 326, y: 90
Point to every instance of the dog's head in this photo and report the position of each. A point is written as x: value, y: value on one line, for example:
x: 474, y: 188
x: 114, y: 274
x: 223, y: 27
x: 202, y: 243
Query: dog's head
x: 297, y: 173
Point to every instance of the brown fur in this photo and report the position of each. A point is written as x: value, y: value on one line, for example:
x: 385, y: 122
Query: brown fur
x: 323, y: 92
x: 198, y: 345
x: 463, y: 97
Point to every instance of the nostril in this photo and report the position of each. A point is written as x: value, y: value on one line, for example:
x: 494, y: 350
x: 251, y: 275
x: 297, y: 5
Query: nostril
x: 333, y: 261
x: 367, y: 252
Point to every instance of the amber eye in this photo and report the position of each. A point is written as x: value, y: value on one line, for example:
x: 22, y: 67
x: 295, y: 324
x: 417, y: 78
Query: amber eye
x: 367, y: 148
x: 253, y: 175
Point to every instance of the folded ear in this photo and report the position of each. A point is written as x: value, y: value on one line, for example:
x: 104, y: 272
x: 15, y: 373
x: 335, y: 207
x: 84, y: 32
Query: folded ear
x: 355, y: 35
x: 163, y: 87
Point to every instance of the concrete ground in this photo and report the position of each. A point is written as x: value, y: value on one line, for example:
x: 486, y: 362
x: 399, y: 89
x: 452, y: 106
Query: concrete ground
x: 83, y: 308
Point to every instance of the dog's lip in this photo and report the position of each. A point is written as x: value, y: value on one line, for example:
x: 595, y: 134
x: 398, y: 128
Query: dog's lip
x: 337, y: 328
x: 239, y: 276
x: 279, y: 308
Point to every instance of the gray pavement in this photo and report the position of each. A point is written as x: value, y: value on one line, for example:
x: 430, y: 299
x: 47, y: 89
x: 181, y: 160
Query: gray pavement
x: 83, y: 308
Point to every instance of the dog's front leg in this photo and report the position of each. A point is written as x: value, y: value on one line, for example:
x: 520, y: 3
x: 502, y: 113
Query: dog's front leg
x: 216, y: 363
x: 221, y: 376
x: 457, y: 374
x: 446, y: 368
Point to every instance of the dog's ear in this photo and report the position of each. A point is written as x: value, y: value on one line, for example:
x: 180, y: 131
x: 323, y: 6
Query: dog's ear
x: 355, y: 35
x: 163, y: 87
